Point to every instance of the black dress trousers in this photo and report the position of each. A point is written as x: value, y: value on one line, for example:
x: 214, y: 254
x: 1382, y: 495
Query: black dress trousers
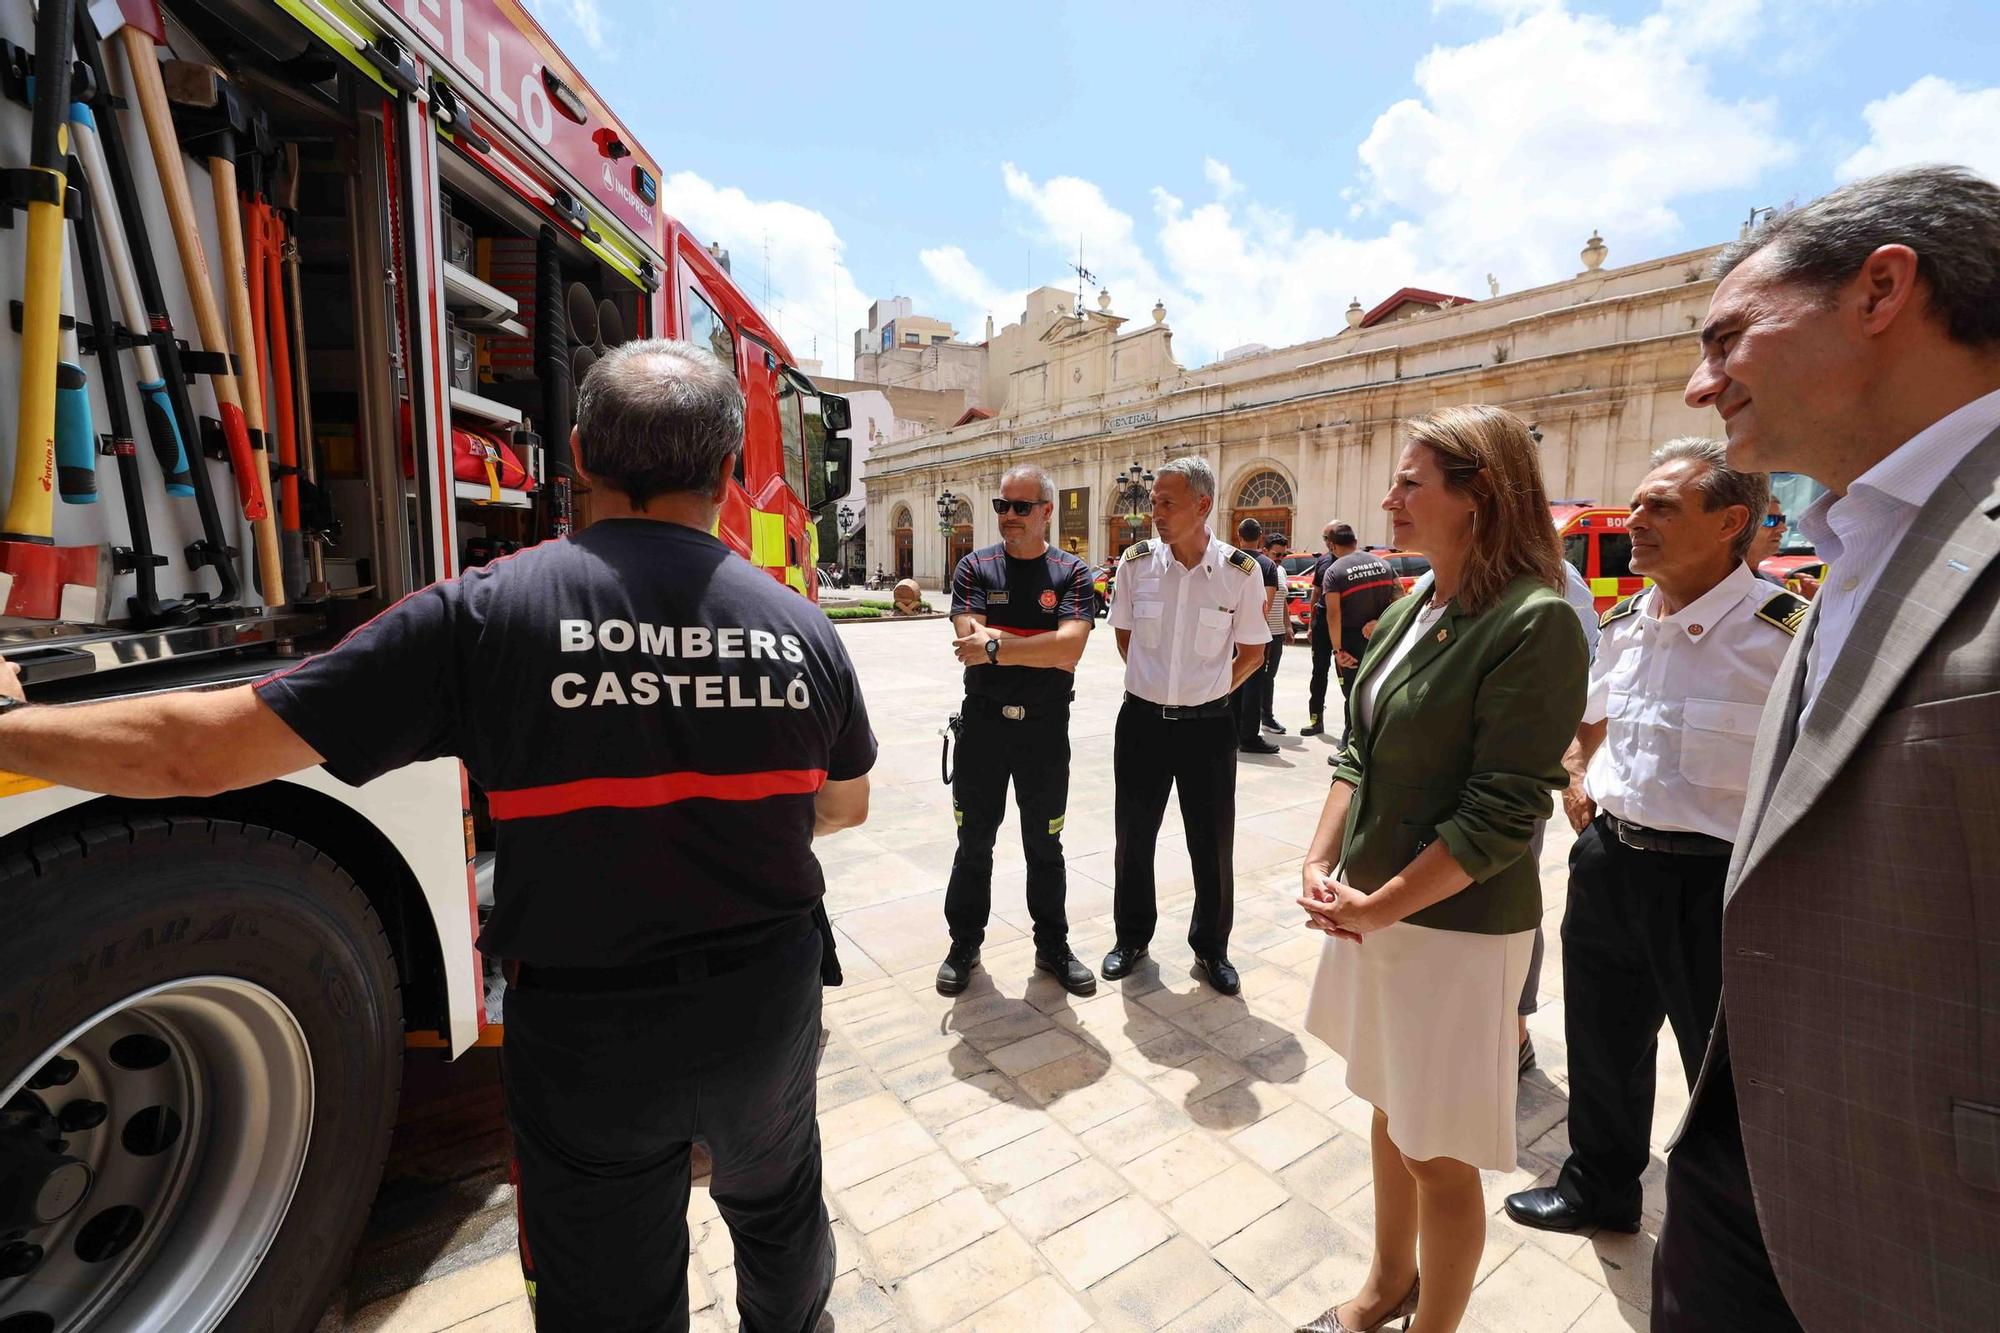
x: 1151, y: 755
x: 1033, y: 753
x: 1321, y: 642
x: 1642, y: 945
x: 607, y: 1090
x: 1274, y: 653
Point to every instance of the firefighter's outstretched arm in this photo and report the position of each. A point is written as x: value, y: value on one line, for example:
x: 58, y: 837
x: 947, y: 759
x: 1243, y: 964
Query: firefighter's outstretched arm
x: 195, y: 743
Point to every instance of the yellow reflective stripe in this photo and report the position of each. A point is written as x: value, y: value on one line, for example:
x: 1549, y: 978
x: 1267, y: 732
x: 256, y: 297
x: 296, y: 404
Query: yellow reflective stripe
x: 327, y: 33
x: 812, y: 540
x: 767, y: 539
x: 1604, y: 587
x: 15, y: 784
x: 796, y: 576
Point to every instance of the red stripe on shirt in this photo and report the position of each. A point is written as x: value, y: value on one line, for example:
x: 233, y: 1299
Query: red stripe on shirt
x: 1363, y: 587
x: 562, y: 798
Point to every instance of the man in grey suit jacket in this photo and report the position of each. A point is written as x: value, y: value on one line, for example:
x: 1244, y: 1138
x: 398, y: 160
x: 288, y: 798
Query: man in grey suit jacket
x: 1839, y: 1167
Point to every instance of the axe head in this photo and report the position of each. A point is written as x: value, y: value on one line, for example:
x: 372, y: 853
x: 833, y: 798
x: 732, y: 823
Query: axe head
x: 108, y: 16
x: 207, y: 92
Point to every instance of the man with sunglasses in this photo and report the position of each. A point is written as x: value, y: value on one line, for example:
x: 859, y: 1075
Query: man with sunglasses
x: 1764, y: 543
x: 1022, y: 611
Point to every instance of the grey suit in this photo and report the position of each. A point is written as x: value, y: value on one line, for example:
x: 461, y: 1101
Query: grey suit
x: 1861, y: 949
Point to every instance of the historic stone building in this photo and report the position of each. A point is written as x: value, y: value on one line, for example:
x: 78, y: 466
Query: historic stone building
x: 1307, y: 433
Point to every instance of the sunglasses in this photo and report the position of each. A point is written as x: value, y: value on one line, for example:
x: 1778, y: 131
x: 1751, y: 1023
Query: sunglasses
x: 1021, y: 507
x: 1774, y: 520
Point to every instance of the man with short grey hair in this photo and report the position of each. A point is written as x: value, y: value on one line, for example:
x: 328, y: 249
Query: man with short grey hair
x: 660, y: 730
x: 1849, y: 1102
x: 1190, y: 624
x: 1021, y: 612
x: 1658, y: 774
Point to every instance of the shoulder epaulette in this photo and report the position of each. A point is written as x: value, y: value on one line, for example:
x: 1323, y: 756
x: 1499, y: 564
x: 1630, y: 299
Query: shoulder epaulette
x: 1244, y: 561
x: 1620, y: 610
x: 1786, y: 610
x: 1137, y: 549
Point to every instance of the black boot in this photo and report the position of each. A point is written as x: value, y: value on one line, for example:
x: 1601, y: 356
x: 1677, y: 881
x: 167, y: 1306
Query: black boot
x: 955, y: 972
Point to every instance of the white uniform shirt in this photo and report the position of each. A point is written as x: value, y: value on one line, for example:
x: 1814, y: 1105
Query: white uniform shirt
x: 1577, y: 593
x: 1681, y: 696
x: 1185, y: 623
x: 1859, y: 533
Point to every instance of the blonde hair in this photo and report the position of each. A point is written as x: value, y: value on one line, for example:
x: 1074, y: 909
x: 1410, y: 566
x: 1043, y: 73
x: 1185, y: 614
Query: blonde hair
x: 1486, y: 453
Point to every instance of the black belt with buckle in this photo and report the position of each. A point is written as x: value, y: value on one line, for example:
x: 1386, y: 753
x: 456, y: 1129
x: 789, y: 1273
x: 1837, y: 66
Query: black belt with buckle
x: 1642, y: 839
x: 1182, y: 712
x: 1018, y: 712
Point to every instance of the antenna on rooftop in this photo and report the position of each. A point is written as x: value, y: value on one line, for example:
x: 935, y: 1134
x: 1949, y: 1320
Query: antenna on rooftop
x: 1083, y: 275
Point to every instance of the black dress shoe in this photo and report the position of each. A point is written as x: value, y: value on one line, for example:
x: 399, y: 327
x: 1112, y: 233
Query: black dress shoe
x: 1548, y: 1209
x: 1256, y: 745
x: 1076, y: 978
x: 1121, y: 960
x: 1221, y: 975
x: 1271, y: 725
x: 955, y: 972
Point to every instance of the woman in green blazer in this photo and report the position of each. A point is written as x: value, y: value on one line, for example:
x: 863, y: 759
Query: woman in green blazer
x: 1466, y: 698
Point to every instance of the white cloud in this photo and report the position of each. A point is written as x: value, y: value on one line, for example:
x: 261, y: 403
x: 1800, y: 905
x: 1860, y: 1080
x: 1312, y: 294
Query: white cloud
x: 1516, y: 146
x: 586, y: 16
x: 812, y: 296
x: 1932, y: 120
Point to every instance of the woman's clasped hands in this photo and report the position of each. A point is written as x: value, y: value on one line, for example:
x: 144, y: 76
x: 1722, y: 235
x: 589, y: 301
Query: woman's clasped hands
x: 1333, y: 908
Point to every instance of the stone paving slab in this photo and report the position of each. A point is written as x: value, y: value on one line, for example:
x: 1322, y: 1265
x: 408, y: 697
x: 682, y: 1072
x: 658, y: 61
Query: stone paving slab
x: 1015, y: 1158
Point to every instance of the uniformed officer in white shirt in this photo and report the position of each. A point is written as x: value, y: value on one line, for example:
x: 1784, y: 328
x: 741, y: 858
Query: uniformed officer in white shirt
x: 1190, y: 623
x: 1682, y: 673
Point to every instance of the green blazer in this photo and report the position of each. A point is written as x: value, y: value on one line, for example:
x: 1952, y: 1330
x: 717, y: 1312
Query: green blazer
x: 1466, y: 745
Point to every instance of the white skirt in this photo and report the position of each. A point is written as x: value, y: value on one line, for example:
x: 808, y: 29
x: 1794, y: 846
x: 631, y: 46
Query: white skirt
x: 1426, y: 1022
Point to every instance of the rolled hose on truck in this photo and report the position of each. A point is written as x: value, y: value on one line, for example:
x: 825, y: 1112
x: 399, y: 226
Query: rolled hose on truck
x: 200, y: 1059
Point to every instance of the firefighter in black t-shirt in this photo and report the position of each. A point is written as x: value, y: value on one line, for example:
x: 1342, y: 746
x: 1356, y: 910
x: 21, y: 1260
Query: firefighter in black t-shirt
x: 660, y: 730
x: 1022, y: 611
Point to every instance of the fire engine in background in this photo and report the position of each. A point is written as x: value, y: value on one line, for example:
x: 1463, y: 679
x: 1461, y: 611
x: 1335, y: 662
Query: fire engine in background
x: 354, y: 257
x: 1594, y: 540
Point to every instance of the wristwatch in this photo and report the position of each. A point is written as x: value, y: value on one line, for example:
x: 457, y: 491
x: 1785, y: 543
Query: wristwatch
x: 8, y: 703
x: 993, y: 652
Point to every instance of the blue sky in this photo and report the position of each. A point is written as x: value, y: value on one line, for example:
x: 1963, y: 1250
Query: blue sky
x: 1256, y: 166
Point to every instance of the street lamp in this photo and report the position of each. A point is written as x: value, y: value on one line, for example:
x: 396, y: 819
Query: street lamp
x: 1135, y: 492
x: 947, y: 507
x: 846, y: 516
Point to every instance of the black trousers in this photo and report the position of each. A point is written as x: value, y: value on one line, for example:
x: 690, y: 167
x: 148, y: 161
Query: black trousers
x: 1274, y: 653
x: 1251, y: 701
x: 1642, y: 944
x: 606, y: 1092
x: 1354, y: 645
x: 1711, y: 1273
x: 1034, y: 753
x: 1149, y: 756
x: 1322, y: 652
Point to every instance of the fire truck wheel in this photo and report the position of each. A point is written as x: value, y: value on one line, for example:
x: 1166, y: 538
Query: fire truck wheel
x: 200, y: 1055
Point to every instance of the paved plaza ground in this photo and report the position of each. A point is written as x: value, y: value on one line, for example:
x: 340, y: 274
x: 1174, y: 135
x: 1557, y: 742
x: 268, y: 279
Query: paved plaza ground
x: 1154, y: 1157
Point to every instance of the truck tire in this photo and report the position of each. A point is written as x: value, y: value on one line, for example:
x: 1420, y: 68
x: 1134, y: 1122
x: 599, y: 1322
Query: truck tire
x: 200, y: 1056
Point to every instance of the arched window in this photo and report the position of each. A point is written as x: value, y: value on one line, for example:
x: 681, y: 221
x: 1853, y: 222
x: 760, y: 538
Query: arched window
x: 958, y: 542
x: 904, y: 542
x: 900, y: 520
x: 1264, y: 490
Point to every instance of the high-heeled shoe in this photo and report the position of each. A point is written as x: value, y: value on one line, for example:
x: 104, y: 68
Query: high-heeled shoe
x: 1330, y: 1321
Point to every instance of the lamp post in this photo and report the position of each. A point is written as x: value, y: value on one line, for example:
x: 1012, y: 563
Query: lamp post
x: 947, y: 507
x: 1135, y: 492
x: 845, y: 517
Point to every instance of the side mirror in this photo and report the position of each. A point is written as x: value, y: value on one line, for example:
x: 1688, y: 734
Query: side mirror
x: 836, y: 475
x: 834, y: 410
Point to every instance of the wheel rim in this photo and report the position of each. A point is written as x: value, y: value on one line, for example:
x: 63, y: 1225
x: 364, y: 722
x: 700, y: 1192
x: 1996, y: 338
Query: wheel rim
x: 207, y: 1086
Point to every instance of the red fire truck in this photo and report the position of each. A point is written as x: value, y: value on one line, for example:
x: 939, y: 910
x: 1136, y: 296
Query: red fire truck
x: 354, y: 255
x: 1594, y: 540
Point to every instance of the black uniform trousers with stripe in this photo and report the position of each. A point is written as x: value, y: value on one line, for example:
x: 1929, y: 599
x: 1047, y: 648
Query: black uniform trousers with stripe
x: 1033, y: 753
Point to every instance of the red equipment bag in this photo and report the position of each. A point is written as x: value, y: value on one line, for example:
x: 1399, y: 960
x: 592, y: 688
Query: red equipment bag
x: 478, y: 456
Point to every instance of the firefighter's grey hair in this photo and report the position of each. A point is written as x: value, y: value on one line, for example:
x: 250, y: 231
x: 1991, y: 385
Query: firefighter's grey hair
x: 1721, y: 485
x: 1948, y: 215
x: 1200, y: 476
x: 655, y: 416
x: 1045, y: 487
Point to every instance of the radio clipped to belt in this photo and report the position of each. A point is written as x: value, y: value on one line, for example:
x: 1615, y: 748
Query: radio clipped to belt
x: 953, y: 729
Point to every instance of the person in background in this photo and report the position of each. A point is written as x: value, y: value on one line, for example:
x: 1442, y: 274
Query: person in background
x: 1190, y: 624
x: 1356, y: 588
x: 1319, y: 635
x: 1683, y: 672
x: 1021, y: 611
x: 1278, y: 617
x: 1768, y: 537
x: 1248, y: 699
x: 1839, y: 1166
x: 1418, y: 871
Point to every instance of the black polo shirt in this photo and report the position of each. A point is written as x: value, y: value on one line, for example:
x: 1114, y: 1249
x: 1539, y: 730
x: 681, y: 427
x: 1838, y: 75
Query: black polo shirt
x: 648, y: 714
x: 1365, y: 585
x: 1023, y: 597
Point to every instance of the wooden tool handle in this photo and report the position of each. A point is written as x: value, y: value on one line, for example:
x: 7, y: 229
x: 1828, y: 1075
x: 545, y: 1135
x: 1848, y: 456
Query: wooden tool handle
x: 236, y: 289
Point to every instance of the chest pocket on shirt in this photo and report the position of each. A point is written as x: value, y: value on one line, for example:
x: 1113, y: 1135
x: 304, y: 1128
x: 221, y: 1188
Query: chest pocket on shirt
x: 1716, y: 740
x: 1146, y: 622
x: 1211, y: 632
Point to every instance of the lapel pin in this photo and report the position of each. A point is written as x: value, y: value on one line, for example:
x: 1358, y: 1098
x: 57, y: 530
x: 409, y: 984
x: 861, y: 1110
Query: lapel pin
x: 1443, y: 634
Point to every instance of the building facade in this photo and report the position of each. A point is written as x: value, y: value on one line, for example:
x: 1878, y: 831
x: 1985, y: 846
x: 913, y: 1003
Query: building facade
x: 1305, y: 434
